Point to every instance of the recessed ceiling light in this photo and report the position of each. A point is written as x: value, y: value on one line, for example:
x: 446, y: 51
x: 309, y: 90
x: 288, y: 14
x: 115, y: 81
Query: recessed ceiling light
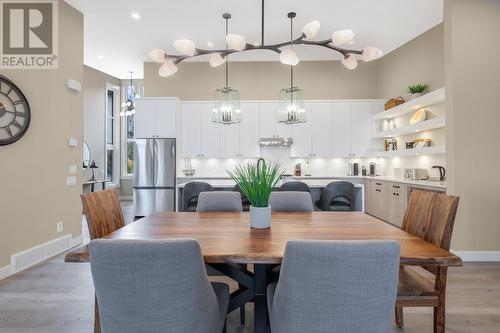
x: 210, y: 44
x: 100, y: 56
x: 135, y: 16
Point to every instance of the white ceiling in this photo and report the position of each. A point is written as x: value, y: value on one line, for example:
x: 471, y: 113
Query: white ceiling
x: 115, y: 43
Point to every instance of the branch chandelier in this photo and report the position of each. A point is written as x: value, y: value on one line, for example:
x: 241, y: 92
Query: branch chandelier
x: 237, y: 43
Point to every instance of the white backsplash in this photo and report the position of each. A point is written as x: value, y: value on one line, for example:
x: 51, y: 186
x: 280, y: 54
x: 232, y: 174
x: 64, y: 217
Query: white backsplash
x: 214, y: 167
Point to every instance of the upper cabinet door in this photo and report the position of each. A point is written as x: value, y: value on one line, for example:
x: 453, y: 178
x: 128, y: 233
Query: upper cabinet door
x: 268, y: 119
x: 145, y: 118
x: 361, y: 120
x: 341, y: 128
x: 249, y: 130
x: 210, y: 132
x: 191, y: 128
x: 320, y: 116
x: 229, y: 140
x: 166, y: 112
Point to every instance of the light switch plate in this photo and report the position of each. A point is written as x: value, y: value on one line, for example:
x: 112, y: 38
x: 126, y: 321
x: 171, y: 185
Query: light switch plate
x: 70, y: 181
x: 73, y: 142
x: 72, y: 169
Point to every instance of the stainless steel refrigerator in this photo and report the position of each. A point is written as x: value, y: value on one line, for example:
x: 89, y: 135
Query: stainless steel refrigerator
x: 154, y: 176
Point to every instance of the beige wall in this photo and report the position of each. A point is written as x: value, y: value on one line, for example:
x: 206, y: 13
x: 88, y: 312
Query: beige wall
x: 33, y: 194
x: 472, y: 48
x: 94, y: 113
x: 419, y: 60
x: 262, y: 80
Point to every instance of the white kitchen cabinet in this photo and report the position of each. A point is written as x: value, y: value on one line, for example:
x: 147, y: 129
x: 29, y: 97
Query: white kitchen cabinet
x: 269, y: 125
x: 155, y: 118
x: 301, y: 134
x: 191, y: 130
x: 249, y: 134
x: 229, y: 140
x: 361, y: 128
x: 321, y: 133
x: 209, y: 132
x: 341, y: 129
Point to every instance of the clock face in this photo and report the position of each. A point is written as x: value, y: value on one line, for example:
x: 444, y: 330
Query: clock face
x: 15, y: 113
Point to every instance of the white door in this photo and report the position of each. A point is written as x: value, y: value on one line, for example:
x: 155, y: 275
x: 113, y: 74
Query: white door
x: 249, y: 130
x: 166, y: 111
x: 145, y: 118
x: 210, y: 133
x: 268, y: 119
x: 361, y: 120
x: 321, y: 129
x: 341, y: 129
x: 191, y: 130
x: 301, y: 134
x: 229, y: 140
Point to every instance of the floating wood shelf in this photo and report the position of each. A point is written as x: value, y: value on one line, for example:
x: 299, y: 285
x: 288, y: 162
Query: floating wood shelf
x: 411, y: 152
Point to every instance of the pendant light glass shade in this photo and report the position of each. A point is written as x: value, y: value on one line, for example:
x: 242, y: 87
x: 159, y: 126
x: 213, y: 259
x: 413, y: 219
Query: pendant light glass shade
x: 236, y: 42
x: 342, y: 37
x: 216, y: 60
x: 311, y: 29
x: 371, y: 53
x: 350, y: 62
x: 168, y: 68
x: 289, y: 57
x: 185, y: 47
x: 157, y: 55
x: 292, y: 108
x: 227, y: 106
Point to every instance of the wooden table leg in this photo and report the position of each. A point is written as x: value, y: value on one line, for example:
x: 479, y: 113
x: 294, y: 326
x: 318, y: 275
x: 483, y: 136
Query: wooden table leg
x: 440, y: 310
x: 97, y: 319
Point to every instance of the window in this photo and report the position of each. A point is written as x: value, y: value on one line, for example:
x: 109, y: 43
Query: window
x: 112, y: 163
x: 128, y: 126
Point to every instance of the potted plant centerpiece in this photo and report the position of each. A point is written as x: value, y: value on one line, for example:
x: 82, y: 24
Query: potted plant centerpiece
x: 417, y: 90
x: 256, y: 181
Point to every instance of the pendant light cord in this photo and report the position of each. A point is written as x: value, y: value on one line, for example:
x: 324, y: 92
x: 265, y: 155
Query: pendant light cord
x: 262, y: 25
x: 227, y: 61
x: 291, y: 43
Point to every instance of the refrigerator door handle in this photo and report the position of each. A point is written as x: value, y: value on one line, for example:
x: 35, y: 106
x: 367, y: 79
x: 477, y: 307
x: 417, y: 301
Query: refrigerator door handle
x: 155, y: 161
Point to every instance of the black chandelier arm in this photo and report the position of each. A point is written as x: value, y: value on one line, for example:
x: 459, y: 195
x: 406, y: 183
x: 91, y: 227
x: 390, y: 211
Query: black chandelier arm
x: 272, y: 47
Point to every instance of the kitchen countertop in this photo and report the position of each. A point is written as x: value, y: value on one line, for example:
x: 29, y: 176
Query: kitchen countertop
x: 315, y: 181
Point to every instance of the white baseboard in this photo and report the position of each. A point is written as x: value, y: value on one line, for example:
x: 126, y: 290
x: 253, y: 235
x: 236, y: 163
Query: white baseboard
x: 478, y: 255
x: 126, y: 198
x: 5, y: 271
x: 75, y: 241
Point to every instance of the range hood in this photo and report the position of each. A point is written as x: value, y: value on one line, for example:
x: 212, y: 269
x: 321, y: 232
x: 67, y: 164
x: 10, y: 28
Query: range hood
x: 276, y: 141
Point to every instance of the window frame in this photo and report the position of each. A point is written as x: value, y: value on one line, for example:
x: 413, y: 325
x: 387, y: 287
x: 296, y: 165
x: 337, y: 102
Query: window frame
x: 138, y: 86
x: 115, y: 146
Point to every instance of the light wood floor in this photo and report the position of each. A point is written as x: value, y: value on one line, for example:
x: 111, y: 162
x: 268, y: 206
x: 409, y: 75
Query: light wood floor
x: 58, y: 297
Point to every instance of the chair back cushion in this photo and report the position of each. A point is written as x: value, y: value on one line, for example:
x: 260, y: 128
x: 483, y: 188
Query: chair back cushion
x: 219, y: 201
x: 295, y: 186
x: 290, y: 201
x: 431, y: 216
x: 336, y: 286
x: 103, y: 212
x: 153, y: 286
x: 191, y: 192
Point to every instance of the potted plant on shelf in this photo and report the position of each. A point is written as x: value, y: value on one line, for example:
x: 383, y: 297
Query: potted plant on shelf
x: 257, y: 181
x: 417, y: 90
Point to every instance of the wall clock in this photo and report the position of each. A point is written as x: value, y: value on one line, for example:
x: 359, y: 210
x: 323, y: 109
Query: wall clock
x: 15, y: 112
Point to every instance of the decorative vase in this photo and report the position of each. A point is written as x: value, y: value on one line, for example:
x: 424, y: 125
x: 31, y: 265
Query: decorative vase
x: 260, y: 217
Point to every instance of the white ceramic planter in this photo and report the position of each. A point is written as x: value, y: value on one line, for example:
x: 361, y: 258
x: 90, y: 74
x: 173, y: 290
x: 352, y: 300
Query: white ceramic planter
x: 260, y: 217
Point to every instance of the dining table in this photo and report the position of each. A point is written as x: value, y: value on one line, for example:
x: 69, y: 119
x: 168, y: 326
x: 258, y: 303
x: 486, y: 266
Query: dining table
x: 226, y: 239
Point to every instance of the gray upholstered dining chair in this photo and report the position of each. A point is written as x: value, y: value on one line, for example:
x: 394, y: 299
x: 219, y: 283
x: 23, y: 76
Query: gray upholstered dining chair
x: 219, y: 201
x: 155, y: 286
x: 190, y: 195
x: 291, y: 201
x: 338, y: 196
x: 335, y: 286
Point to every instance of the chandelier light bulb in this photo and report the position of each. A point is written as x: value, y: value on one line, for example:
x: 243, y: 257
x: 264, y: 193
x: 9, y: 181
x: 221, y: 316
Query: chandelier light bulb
x: 216, y: 59
x: 236, y: 42
x: 185, y: 47
x: 289, y: 57
x: 167, y: 69
x: 342, y: 37
x: 350, y: 62
x: 371, y: 53
x: 311, y: 29
x: 157, y: 55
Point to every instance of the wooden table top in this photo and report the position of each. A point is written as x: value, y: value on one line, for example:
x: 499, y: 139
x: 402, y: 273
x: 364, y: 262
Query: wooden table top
x: 228, y: 238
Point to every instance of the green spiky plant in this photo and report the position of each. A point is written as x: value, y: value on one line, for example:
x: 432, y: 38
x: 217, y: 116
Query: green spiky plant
x: 418, y: 88
x: 257, y: 180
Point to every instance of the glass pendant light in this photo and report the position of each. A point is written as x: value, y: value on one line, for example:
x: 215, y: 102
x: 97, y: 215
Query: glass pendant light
x: 227, y: 100
x: 128, y: 107
x: 292, y: 109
